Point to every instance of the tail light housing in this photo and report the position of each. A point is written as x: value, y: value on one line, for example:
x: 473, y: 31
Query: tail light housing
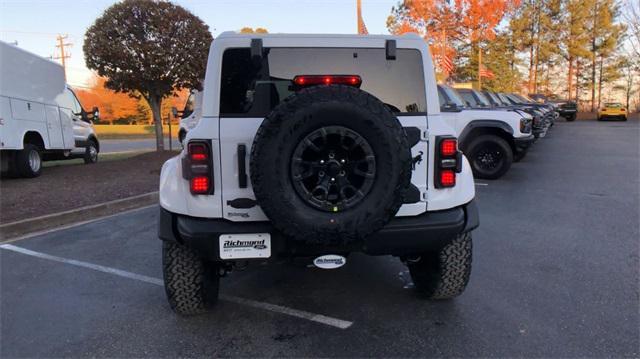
x: 197, y: 167
x: 448, y: 162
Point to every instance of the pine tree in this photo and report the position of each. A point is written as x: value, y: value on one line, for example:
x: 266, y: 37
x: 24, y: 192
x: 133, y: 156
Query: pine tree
x: 575, y: 40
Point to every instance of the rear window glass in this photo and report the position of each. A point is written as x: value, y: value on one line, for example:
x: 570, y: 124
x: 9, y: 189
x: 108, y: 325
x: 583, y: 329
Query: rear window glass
x: 253, y: 88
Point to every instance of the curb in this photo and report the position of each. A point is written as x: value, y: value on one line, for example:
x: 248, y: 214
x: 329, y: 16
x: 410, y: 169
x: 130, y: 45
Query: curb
x: 23, y: 227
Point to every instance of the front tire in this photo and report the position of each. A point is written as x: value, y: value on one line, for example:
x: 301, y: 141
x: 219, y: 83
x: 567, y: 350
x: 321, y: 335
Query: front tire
x: 191, y: 283
x: 28, y: 161
x: 571, y: 118
x: 490, y: 156
x: 91, y: 153
x: 444, y: 274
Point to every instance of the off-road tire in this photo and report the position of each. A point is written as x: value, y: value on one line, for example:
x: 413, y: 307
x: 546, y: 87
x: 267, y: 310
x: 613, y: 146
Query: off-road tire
x: 477, y: 144
x: 191, y: 283
x: 444, y: 274
x: 89, y: 157
x: 289, y: 123
x: 22, y: 166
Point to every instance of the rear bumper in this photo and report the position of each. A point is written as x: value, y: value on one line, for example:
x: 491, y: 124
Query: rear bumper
x: 612, y: 115
x: 402, y: 236
x: 567, y: 112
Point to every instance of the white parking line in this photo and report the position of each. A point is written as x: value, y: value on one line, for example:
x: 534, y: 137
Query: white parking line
x: 75, y: 224
x: 318, y: 318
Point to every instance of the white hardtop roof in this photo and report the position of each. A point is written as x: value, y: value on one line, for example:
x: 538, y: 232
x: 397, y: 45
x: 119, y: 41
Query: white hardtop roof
x: 236, y: 35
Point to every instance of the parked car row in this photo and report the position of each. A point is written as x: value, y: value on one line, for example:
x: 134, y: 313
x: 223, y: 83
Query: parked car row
x: 41, y: 118
x: 494, y: 129
x: 565, y: 108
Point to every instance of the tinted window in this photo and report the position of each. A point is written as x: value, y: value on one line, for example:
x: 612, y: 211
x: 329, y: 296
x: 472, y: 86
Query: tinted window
x: 492, y: 98
x: 189, y: 106
x: 514, y: 99
x: 505, y: 100
x: 482, y: 100
x: 453, y: 96
x: 468, y: 97
x: 252, y: 88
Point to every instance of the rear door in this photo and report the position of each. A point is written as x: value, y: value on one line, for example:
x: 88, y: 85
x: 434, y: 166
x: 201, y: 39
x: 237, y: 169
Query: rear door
x: 54, y: 126
x: 250, y: 90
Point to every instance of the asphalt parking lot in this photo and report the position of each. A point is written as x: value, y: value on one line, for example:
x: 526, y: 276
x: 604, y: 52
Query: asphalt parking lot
x: 555, y: 275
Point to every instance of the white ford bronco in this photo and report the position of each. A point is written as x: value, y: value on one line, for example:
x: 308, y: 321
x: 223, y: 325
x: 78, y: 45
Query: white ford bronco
x: 316, y: 146
x: 491, y: 139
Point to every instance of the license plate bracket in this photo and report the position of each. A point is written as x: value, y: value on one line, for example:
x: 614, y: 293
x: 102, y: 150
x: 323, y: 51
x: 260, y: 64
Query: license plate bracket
x: 245, y: 245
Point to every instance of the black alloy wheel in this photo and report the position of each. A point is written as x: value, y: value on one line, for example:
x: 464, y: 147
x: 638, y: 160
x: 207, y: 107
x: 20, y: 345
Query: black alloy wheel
x: 333, y: 168
x: 489, y: 158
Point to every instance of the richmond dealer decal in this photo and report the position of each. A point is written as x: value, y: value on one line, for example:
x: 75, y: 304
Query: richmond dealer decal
x: 236, y: 246
x: 330, y: 261
x: 244, y: 244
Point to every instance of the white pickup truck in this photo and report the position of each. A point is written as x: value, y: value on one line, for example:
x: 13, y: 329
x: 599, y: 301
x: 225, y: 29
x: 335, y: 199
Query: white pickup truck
x: 40, y: 116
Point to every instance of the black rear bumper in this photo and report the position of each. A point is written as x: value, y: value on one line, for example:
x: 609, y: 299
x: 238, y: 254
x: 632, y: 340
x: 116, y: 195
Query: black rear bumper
x: 402, y: 236
x: 567, y: 112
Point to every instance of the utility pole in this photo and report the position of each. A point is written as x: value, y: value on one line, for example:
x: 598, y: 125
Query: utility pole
x: 61, y: 45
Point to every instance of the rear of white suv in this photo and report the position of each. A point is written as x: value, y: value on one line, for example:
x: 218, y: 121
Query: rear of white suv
x: 316, y: 145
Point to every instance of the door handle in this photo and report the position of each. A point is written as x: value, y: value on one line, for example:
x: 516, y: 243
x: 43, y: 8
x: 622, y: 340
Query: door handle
x: 242, y: 166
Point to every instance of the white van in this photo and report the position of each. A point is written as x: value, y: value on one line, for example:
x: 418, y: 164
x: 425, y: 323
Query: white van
x: 40, y: 116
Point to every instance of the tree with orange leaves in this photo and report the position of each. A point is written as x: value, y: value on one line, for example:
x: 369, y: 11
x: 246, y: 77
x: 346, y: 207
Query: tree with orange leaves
x: 120, y: 107
x: 113, y: 106
x: 450, y: 26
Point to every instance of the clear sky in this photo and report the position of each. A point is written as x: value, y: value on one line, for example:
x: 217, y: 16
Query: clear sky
x: 34, y: 24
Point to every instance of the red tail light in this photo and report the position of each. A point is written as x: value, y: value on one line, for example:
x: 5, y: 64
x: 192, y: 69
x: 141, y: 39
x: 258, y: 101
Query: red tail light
x: 198, y: 151
x: 447, y: 178
x: 448, y: 147
x: 200, y: 185
x: 197, y: 167
x: 448, y: 161
x: 314, y: 80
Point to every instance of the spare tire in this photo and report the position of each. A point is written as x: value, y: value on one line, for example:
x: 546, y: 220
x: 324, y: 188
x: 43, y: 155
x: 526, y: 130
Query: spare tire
x: 330, y: 165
